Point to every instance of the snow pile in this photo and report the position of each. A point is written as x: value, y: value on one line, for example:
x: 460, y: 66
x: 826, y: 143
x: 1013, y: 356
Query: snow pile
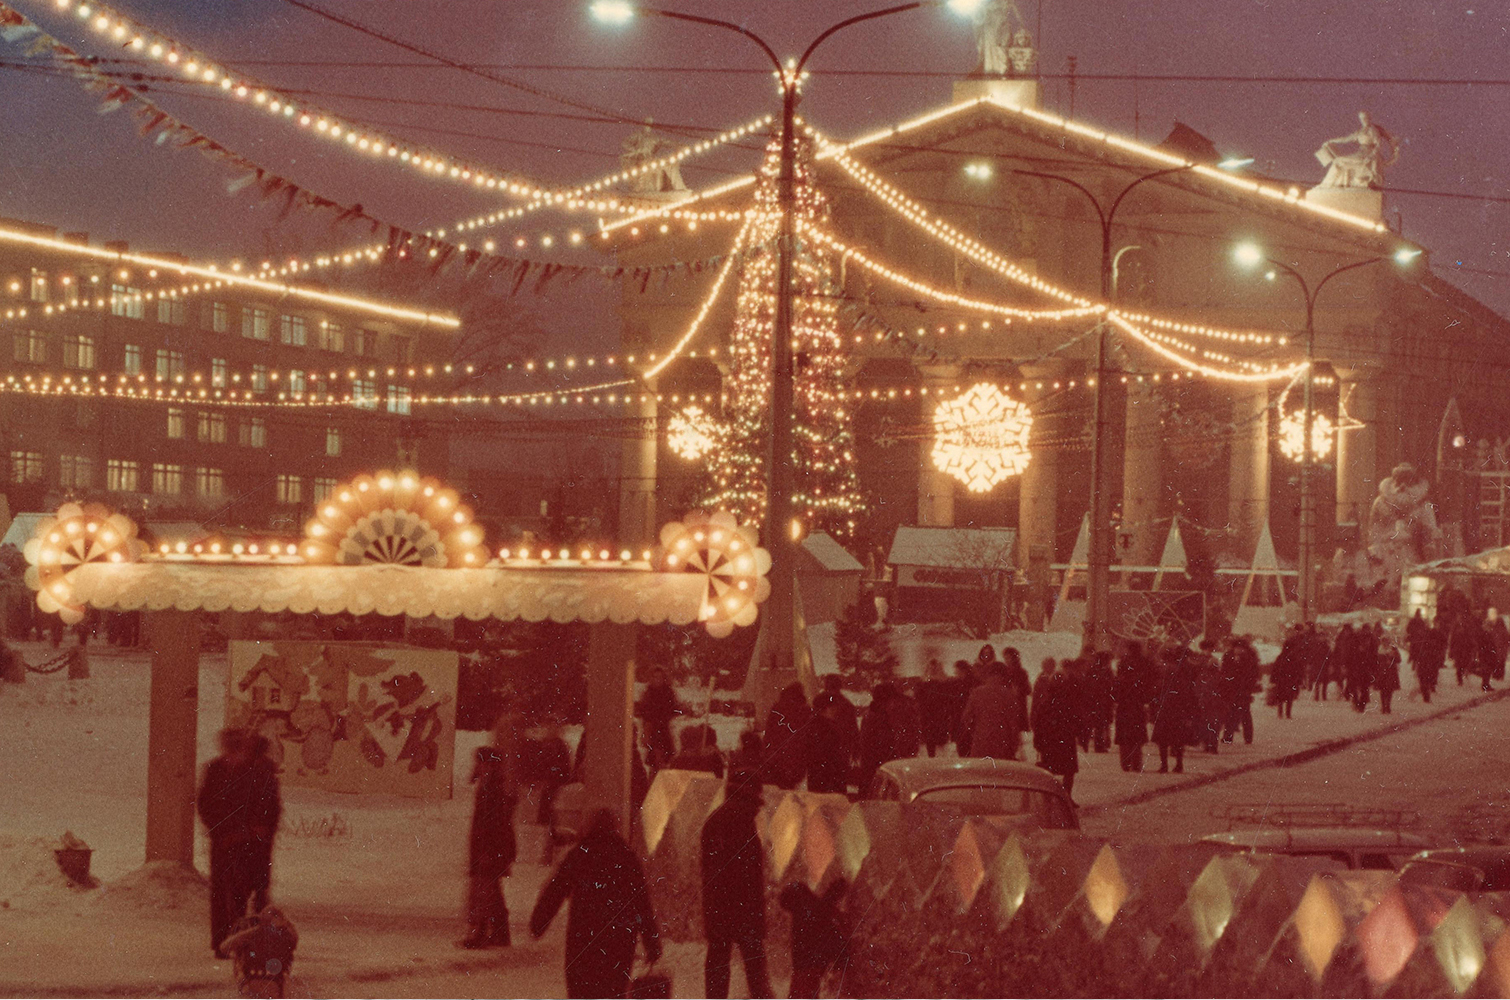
x: 30, y: 878
x: 158, y: 886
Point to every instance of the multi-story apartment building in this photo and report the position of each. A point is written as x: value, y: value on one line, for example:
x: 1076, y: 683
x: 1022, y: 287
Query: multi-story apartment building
x: 251, y: 399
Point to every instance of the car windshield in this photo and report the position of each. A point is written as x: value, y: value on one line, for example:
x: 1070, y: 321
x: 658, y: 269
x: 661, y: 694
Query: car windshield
x: 1002, y: 800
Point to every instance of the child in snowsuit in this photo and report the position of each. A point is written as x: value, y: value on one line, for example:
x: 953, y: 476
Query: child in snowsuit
x: 262, y: 949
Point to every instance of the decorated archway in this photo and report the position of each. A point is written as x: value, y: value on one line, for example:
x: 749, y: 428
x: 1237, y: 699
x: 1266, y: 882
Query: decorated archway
x: 392, y: 543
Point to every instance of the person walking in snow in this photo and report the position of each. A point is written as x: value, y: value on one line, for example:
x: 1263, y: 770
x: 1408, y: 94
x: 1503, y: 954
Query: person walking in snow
x: 992, y: 722
x: 610, y: 911
x: 491, y: 845
x: 240, y: 805
x: 1429, y: 661
x: 1132, y: 688
x: 733, y: 883
x: 786, y: 736
x: 1178, y: 708
x: 657, y: 707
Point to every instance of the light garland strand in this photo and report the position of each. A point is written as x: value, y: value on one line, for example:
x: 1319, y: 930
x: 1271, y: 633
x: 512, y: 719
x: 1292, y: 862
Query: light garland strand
x: 359, y: 139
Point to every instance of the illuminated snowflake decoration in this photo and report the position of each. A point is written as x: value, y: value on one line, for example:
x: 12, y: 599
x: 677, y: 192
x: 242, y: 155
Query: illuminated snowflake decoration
x: 692, y: 433
x: 981, y: 438
x: 399, y: 518
x: 74, y: 536
x: 1292, y: 435
x: 732, y: 563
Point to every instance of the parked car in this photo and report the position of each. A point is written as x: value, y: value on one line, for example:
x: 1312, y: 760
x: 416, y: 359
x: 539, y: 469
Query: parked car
x: 1466, y: 869
x: 1344, y: 846
x: 980, y: 786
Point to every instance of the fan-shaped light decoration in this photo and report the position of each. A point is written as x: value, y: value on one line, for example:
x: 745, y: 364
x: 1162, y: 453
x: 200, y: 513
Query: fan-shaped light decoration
x: 691, y: 433
x: 729, y: 557
x: 1292, y: 433
x: 76, y: 535
x: 981, y: 438
x: 393, y: 517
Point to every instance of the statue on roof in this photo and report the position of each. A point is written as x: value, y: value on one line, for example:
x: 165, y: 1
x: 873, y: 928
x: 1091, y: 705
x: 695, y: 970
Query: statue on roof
x: 1375, y: 149
x: 642, y: 148
x: 1005, y: 44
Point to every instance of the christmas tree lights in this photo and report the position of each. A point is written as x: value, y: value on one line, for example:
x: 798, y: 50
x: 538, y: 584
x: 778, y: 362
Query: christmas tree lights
x: 826, y: 496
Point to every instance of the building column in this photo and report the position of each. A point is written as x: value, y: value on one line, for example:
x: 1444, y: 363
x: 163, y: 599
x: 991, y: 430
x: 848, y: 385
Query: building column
x: 1358, y: 472
x: 1248, y: 468
x: 173, y: 725
x: 638, y: 523
x: 1142, y: 476
x: 935, y: 488
x: 610, y: 720
x: 1038, y: 490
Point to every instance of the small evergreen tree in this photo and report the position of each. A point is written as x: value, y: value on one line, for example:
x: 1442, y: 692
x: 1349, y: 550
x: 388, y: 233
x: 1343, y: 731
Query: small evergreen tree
x: 862, y: 646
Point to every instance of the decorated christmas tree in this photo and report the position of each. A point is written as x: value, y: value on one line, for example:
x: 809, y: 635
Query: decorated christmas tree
x: 827, y: 493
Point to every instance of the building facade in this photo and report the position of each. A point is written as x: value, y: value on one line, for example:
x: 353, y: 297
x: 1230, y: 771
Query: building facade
x: 168, y: 391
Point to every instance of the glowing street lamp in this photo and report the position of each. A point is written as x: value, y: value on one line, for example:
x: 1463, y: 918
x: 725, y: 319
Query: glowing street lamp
x: 1251, y: 255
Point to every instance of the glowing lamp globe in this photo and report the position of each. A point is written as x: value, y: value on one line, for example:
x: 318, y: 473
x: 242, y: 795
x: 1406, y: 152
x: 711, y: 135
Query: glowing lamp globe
x: 981, y: 438
x: 1292, y: 436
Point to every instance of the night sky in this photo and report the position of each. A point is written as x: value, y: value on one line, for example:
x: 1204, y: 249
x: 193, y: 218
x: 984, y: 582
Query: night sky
x: 63, y: 163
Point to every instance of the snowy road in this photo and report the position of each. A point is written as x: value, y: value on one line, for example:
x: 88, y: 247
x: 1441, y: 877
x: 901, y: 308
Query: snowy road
x: 378, y: 906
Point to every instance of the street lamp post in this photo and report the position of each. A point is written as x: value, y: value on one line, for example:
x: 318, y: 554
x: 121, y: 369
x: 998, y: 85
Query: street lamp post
x: 1250, y: 255
x: 1098, y: 569
x: 779, y: 617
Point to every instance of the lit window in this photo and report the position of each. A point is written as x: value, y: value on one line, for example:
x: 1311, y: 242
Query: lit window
x: 132, y: 362
x: 215, y: 316
x: 121, y: 476
x: 252, y: 433
x: 174, y: 312
x: 398, y: 399
x: 167, y: 480
x: 30, y: 346
x: 217, y: 373
x: 209, y: 482
x: 212, y: 428
x: 364, y: 394
x: 75, y: 472
x: 363, y: 341
x: 175, y: 423
x: 256, y: 323
x: 38, y: 285
x: 78, y: 351
x: 127, y: 301
x: 333, y: 441
x: 296, y: 381
x: 290, y: 489
x: 259, y: 378
x: 291, y: 330
x: 324, y: 487
x: 331, y: 338
x: 26, y: 466
x: 170, y: 364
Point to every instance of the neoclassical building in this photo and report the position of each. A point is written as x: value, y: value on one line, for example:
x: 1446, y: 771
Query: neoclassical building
x: 938, y: 228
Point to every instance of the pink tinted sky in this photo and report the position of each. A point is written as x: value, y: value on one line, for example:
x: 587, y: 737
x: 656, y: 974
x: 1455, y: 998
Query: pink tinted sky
x: 64, y: 164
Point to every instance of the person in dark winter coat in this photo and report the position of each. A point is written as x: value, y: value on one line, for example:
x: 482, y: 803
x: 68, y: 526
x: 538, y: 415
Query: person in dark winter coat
x: 240, y: 805
x: 877, y: 740
x: 828, y: 752
x: 733, y: 882
x: 786, y: 735
x: 1017, y: 677
x: 1463, y: 644
x: 1056, y: 724
x: 491, y: 844
x: 657, y: 707
x: 610, y: 910
x: 1287, y: 676
x: 1387, y: 675
x: 992, y: 722
x: 1099, y: 700
x: 818, y: 938
x: 1213, y: 710
x: 1430, y: 659
x: 846, y: 716
x: 1361, y: 656
x: 1489, y: 659
x: 1239, y: 680
x: 935, y: 700
x: 1072, y: 674
x: 1132, y: 688
x: 1178, y: 708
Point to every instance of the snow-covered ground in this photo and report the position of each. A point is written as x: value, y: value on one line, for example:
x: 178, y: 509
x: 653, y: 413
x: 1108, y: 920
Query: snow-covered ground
x: 376, y: 884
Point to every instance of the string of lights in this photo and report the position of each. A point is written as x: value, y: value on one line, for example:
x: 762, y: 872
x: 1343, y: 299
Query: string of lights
x: 359, y: 139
